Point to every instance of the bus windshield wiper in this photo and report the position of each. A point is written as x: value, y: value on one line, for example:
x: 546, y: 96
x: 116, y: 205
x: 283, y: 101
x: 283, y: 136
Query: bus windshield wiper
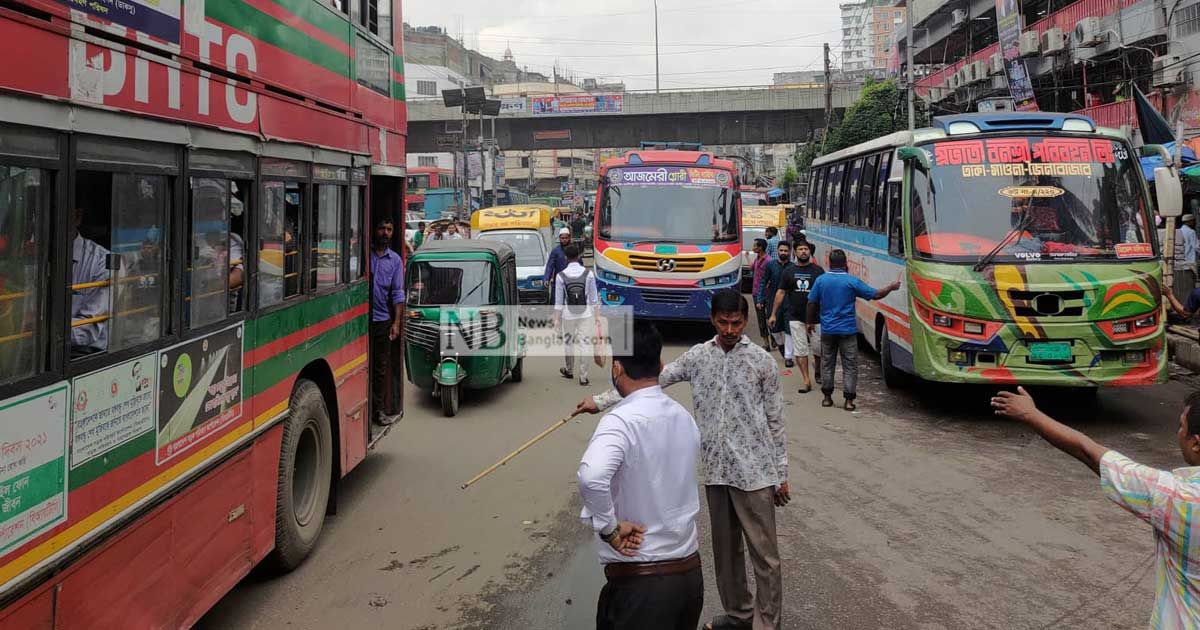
x: 651, y: 241
x: 1018, y: 229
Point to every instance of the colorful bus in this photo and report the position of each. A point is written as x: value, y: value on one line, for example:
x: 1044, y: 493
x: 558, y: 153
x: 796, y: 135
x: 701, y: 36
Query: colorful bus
x: 432, y: 190
x: 1025, y: 243
x: 185, y: 194
x: 668, y: 232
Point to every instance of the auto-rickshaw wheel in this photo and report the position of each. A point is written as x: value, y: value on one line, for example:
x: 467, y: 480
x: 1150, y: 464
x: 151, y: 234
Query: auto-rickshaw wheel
x: 450, y: 400
x: 518, y: 371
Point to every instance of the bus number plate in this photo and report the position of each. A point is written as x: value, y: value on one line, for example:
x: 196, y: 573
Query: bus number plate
x: 1055, y: 351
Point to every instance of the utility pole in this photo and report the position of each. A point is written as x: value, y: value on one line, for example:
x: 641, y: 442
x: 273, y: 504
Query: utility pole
x: 656, y: 76
x: 828, y: 99
x: 908, y: 54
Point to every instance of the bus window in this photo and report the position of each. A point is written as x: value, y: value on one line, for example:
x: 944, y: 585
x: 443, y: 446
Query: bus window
x: 216, y: 265
x: 823, y: 193
x: 833, y: 210
x: 117, y: 260
x: 866, y: 191
x: 354, y: 252
x: 25, y: 195
x: 881, y: 192
x: 853, y: 184
x: 278, y: 256
x: 325, y: 263
x: 896, y: 223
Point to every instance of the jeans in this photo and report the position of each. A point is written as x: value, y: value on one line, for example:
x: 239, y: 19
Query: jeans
x: 847, y: 347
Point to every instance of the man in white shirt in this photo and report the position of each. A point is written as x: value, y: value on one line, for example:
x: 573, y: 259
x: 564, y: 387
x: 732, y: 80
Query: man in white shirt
x: 575, y: 304
x: 638, y: 484
x: 1187, y: 240
x: 90, y: 293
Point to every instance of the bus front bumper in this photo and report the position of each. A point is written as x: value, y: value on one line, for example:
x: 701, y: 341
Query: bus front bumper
x: 656, y: 302
x: 1094, y: 361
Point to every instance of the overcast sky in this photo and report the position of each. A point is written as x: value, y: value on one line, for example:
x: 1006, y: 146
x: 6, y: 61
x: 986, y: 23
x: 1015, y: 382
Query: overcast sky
x: 703, y: 43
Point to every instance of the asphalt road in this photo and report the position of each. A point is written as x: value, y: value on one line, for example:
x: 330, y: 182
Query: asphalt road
x: 920, y: 510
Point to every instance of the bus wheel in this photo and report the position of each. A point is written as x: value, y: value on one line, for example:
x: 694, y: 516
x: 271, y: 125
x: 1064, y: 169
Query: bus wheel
x: 450, y: 399
x: 305, y: 473
x: 518, y: 371
x: 892, y: 377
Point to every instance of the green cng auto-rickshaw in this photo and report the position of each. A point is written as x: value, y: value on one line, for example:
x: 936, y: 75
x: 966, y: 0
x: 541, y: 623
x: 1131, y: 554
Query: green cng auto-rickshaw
x: 462, y: 329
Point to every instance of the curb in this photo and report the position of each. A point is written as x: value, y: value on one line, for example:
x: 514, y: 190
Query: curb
x: 1183, y: 347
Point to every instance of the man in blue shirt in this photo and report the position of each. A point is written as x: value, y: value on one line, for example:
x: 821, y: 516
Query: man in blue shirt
x: 387, y: 311
x: 833, y: 295
x: 772, y: 233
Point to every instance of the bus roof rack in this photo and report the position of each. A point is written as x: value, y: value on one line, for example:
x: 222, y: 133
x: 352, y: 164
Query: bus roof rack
x: 960, y: 124
x: 663, y: 145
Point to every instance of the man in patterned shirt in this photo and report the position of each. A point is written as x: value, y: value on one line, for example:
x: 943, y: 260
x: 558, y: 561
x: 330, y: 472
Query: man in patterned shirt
x: 1168, y: 500
x: 739, y: 409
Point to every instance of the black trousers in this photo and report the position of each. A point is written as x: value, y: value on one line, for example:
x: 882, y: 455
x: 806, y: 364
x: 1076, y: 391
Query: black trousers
x: 381, y: 356
x: 652, y: 602
x: 761, y: 315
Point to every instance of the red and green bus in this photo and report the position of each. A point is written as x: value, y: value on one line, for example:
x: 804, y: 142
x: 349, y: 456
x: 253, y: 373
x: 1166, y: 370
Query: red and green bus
x: 185, y: 189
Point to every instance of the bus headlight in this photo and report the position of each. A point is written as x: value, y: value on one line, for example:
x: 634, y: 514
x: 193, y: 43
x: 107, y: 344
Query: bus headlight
x: 728, y: 278
x: 615, y: 277
x: 537, y: 283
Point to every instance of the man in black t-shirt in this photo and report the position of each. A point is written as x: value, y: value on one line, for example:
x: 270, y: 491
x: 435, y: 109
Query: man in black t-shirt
x: 797, y: 280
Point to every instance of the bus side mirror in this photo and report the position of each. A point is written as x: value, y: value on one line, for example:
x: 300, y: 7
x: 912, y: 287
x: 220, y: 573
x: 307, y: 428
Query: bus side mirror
x: 911, y: 154
x: 1168, y: 192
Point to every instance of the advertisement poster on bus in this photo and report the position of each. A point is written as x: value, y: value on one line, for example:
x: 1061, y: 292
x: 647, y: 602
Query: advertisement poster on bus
x: 199, y: 390
x: 1008, y: 26
x: 159, y: 18
x: 33, y: 464
x: 111, y: 407
x: 577, y: 104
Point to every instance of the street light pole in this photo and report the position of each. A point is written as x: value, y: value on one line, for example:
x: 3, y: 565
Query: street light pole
x: 656, y: 75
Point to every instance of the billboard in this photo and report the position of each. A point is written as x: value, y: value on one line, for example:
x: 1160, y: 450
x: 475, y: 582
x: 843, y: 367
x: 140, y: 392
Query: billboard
x: 199, y: 390
x: 1008, y: 26
x: 578, y: 104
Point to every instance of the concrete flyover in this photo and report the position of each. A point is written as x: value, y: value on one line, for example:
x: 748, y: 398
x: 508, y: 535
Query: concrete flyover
x: 749, y: 115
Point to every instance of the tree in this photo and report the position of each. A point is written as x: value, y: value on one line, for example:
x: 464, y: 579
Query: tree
x: 880, y: 110
x: 790, y: 176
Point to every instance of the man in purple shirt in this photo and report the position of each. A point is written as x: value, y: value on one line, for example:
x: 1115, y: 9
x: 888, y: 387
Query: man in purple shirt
x: 387, y: 310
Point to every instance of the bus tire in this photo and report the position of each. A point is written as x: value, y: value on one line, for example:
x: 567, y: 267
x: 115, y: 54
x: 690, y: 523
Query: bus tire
x: 893, y: 378
x: 518, y: 371
x: 305, y: 476
x: 450, y: 394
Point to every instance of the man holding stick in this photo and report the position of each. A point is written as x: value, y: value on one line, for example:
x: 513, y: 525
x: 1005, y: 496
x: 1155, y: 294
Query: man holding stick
x: 638, y: 483
x: 739, y: 409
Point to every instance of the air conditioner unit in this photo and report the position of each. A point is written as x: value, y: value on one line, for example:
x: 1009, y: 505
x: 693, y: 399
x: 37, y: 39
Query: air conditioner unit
x: 956, y: 80
x: 1054, y: 41
x: 966, y: 76
x: 958, y: 17
x: 1089, y: 33
x: 980, y: 70
x: 997, y: 63
x: 1030, y: 44
x: 1168, y: 71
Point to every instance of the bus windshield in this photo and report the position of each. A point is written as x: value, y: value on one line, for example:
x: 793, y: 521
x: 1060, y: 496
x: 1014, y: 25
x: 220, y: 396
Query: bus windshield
x: 669, y: 204
x: 1029, y: 198
x: 529, y: 247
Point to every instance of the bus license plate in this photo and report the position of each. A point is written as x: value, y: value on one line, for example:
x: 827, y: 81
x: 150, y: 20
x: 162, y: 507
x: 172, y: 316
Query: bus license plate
x: 1054, y: 351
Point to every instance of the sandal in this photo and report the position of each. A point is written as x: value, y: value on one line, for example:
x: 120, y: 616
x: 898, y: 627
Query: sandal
x: 828, y: 402
x: 725, y: 622
x: 849, y: 405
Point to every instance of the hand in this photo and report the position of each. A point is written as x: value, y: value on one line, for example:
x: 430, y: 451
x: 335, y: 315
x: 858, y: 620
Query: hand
x: 394, y: 331
x: 628, y: 539
x: 810, y: 329
x: 587, y: 405
x: 557, y: 319
x: 771, y: 321
x: 783, y: 494
x: 1018, y: 406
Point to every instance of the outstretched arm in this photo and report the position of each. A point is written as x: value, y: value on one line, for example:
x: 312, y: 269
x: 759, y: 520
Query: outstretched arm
x: 1020, y: 406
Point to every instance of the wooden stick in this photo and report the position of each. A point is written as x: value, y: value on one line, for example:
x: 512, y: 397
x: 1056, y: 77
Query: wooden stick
x: 537, y: 438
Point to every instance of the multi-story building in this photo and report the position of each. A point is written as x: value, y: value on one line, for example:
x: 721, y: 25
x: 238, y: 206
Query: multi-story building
x: 1081, y: 55
x: 856, y: 53
x: 430, y: 45
x: 885, y: 22
x: 867, y: 28
x: 543, y: 172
